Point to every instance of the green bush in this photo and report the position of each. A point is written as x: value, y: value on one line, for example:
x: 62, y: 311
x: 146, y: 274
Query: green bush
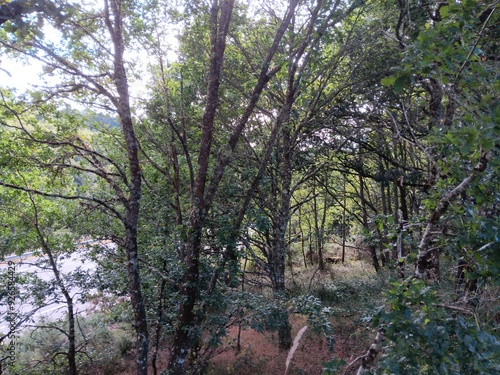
x: 100, y: 348
x: 425, y: 337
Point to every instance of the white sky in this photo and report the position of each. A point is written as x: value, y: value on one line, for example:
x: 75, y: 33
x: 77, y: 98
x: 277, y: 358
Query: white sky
x: 20, y: 76
x: 15, y: 75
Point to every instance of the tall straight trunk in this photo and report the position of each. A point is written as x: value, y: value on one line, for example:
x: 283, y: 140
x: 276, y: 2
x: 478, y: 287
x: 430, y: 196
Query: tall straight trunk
x: 159, y: 318
x: 302, y: 238
x: 319, y: 247
x: 277, y: 273
x: 344, y: 220
x: 309, y: 242
x: 323, y: 223
x: 277, y: 261
x: 280, y: 220
x: 395, y: 250
x: 289, y: 255
x: 184, y: 336
x: 383, y: 197
x: 388, y: 195
x: 113, y: 19
x: 385, y: 251
x: 373, y: 250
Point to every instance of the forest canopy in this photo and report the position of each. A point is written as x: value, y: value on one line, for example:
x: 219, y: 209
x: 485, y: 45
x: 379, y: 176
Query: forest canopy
x: 214, y: 161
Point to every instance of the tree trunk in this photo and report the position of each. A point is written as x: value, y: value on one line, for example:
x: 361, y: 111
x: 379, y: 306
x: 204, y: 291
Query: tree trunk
x: 277, y: 253
x: 373, y: 250
x: 185, y: 334
x: 302, y: 239
x: 71, y: 354
x: 319, y: 244
x: 220, y: 17
x: 184, y: 337
x: 344, y: 222
x: 159, y: 318
x: 132, y: 206
x: 278, y: 284
x: 395, y: 249
x: 423, y: 248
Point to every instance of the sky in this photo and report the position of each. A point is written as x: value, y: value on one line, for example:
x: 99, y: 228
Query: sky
x: 14, y: 74
x: 21, y: 76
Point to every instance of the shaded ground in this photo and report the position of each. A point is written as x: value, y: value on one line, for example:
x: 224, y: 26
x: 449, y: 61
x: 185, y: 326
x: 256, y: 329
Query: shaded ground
x: 260, y: 354
x: 344, y: 287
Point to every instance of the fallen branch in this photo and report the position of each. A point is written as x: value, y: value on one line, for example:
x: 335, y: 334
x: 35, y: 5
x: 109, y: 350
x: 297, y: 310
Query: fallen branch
x: 462, y: 310
x: 352, y: 363
x: 294, y: 348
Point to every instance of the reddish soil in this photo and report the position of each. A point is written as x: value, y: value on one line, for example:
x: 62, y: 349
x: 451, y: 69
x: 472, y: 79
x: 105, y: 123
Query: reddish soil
x: 260, y: 354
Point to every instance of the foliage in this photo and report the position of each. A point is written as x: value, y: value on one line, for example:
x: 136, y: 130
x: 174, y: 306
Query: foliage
x: 425, y: 338
x: 101, y: 347
x: 318, y: 316
x: 359, y: 117
x: 333, y: 366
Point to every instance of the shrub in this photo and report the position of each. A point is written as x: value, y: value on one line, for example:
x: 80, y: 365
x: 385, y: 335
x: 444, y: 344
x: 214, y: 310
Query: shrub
x: 100, y: 348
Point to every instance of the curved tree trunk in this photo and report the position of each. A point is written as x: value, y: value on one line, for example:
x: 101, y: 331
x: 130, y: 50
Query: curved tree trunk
x: 71, y: 354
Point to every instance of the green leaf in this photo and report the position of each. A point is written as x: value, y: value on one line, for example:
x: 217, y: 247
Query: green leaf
x: 388, y: 81
x: 401, y: 82
x: 488, y: 144
x: 444, y: 11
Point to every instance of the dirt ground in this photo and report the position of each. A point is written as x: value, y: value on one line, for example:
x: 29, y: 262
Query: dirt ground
x: 260, y: 354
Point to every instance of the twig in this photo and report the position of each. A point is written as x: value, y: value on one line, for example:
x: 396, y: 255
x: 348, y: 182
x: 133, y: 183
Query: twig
x: 371, y: 354
x: 463, y: 310
x: 312, y: 278
x: 474, y: 45
x: 352, y: 363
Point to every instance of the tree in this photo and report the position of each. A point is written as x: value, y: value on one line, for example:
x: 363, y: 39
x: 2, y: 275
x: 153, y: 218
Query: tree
x: 85, y: 75
x: 202, y: 198
x: 34, y: 222
x: 458, y: 127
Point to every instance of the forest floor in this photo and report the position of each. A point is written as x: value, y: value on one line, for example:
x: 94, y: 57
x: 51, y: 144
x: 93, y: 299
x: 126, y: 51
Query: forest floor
x: 259, y: 353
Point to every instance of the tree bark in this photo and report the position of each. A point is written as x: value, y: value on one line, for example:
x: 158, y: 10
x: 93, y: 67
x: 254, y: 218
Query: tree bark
x: 344, y: 224
x: 113, y: 19
x: 202, y: 201
x: 184, y: 334
x: 442, y: 207
x: 319, y: 244
x: 373, y: 250
x: 71, y: 354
